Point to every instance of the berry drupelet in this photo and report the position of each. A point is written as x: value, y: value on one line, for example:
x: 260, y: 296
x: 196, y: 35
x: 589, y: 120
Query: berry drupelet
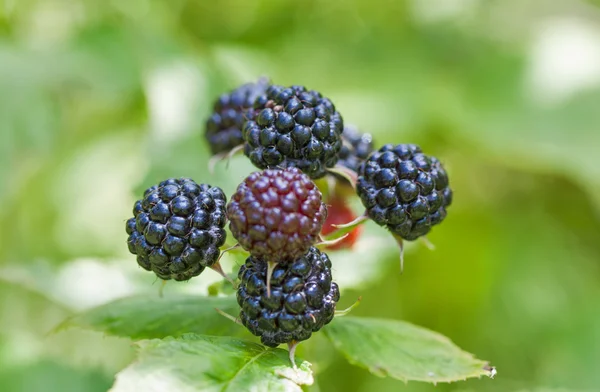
x: 177, y: 228
x: 224, y: 127
x: 294, y: 127
x: 276, y: 214
x: 302, y: 299
x: 355, y: 149
x: 404, y: 190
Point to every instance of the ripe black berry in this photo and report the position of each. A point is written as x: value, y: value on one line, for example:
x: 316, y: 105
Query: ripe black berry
x: 302, y: 298
x: 177, y: 228
x: 224, y: 127
x: 356, y: 148
x: 293, y: 127
x: 276, y: 214
x: 404, y: 190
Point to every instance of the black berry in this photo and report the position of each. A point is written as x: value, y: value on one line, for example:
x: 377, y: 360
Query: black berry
x: 294, y: 127
x: 302, y: 298
x: 355, y: 149
x: 177, y: 228
x: 224, y: 126
x: 404, y: 190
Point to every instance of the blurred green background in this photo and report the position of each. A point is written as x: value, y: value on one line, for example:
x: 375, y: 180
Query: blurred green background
x: 101, y: 98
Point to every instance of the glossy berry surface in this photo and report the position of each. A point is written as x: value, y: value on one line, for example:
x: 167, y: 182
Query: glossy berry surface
x: 294, y: 127
x: 177, y: 228
x: 302, y: 300
x: 276, y: 214
x: 356, y: 148
x: 404, y: 190
x: 224, y: 126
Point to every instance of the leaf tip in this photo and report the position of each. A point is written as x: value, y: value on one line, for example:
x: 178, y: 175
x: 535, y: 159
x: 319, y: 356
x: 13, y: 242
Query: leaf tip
x: 491, y: 371
x: 381, y: 371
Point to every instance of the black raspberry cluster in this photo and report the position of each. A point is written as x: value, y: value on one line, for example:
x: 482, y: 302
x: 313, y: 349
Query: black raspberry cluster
x: 295, y: 136
x: 286, y: 290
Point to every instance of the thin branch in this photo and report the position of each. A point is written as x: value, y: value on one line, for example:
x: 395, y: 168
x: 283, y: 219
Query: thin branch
x: 228, y: 316
x: 342, y: 313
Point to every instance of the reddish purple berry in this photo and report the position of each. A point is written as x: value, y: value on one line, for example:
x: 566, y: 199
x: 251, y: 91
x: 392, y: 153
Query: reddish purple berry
x: 277, y: 214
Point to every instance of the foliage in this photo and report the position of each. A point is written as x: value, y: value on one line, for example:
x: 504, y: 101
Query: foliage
x: 147, y: 317
x: 403, y: 351
x: 202, y: 362
x: 208, y: 363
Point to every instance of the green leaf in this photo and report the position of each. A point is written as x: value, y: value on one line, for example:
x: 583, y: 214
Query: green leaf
x: 146, y: 317
x: 403, y: 351
x: 211, y: 363
x: 52, y: 376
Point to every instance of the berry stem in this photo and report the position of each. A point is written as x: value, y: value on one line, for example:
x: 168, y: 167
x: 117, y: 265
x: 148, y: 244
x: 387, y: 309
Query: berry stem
x: 212, y: 162
x: 161, y: 288
x: 218, y: 269
x: 348, y: 174
x: 400, y: 243
x: 234, y: 247
x: 347, y: 143
x: 234, y: 151
x: 428, y: 244
x: 342, y: 313
x: 270, y: 267
x: 351, y: 225
x: 324, y: 243
x: 292, y: 349
x: 346, y: 228
x: 228, y: 316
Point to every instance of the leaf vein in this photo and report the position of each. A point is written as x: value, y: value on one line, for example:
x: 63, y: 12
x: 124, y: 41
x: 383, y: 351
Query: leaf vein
x: 252, y: 360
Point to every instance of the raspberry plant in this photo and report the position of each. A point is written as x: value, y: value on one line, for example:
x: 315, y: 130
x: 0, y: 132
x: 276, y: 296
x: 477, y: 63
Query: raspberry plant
x: 286, y: 260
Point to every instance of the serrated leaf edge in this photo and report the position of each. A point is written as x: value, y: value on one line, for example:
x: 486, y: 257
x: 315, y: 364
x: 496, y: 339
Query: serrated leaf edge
x: 488, y: 370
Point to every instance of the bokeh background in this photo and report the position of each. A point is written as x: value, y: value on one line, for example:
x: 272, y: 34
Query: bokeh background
x: 101, y: 98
